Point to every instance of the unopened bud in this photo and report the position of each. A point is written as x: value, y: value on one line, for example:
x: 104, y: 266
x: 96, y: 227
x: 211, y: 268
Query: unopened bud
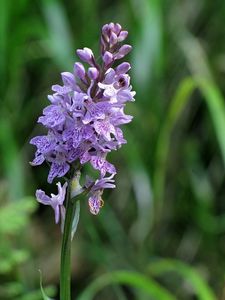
x: 122, y: 36
x: 79, y: 70
x: 122, y: 68
x: 124, y: 50
x: 113, y: 38
x: 107, y: 58
x: 85, y: 54
x: 93, y: 73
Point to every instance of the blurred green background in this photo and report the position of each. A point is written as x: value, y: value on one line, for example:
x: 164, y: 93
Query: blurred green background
x: 161, y: 232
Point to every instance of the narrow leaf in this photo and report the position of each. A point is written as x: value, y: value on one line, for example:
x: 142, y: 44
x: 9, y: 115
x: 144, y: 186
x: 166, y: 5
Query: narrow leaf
x: 130, y: 278
x: 45, y: 297
x: 189, y: 274
x: 178, y: 103
x: 198, y: 64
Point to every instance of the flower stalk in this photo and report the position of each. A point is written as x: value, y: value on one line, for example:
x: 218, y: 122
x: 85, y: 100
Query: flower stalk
x: 65, y: 266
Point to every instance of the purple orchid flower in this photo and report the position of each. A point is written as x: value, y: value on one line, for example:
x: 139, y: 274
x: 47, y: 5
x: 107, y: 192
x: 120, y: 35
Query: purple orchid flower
x: 95, y: 200
x: 55, y: 201
x: 85, y: 116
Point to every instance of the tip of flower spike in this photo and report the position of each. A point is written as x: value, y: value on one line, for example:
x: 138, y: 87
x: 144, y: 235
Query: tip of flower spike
x: 112, y: 34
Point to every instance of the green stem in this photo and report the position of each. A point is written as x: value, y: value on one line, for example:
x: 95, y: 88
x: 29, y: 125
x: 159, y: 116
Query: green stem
x: 65, y: 269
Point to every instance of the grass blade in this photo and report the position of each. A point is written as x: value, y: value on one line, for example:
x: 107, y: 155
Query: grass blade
x: 133, y: 279
x: 45, y: 297
x: 178, y: 103
x: 201, y: 288
x: 215, y: 102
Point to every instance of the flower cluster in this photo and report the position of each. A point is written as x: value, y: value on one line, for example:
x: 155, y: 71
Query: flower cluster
x: 85, y: 114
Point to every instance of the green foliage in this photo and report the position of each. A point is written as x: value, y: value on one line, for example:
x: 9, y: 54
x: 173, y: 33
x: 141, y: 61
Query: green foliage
x: 14, y: 217
x: 14, y: 220
x: 18, y: 213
